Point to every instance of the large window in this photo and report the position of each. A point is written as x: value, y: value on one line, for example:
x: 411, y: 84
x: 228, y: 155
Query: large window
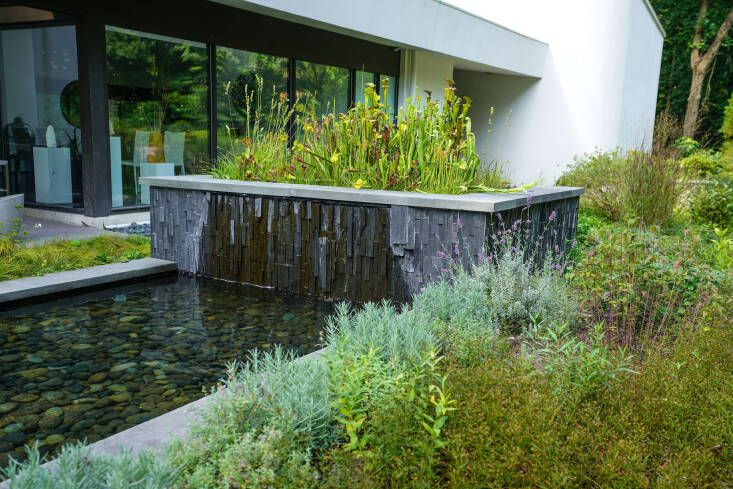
x: 158, y: 106
x: 322, y: 88
x: 237, y: 75
x: 40, y: 127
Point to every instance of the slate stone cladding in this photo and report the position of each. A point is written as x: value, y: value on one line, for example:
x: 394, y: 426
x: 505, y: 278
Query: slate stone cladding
x: 335, y: 250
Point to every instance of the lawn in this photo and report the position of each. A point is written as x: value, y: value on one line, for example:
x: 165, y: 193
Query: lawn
x: 17, y: 261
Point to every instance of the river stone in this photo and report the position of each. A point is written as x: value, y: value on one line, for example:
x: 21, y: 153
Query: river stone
x: 97, y: 378
x: 105, y: 401
x: 117, y: 388
x: 13, y: 357
x: 96, y: 387
x: 24, y: 397
x: 121, y: 397
x: 82, y: 346
x: 52, y: 395
x: 13, y: 427
x: 20, y: 329
x: 74, y: 409
x: 33, y: 373
x: 54, y: 439
x: 123, y: 366
x: 53, y: 412
x: 35, y: 359
x: 6, y: 407
x: 47, y: 424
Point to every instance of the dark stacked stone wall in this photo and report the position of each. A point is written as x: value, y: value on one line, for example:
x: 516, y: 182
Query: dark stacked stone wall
x: 332, y: 249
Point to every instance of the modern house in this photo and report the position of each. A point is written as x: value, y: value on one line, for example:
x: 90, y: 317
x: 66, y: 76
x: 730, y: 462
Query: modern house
x: 94, y: 95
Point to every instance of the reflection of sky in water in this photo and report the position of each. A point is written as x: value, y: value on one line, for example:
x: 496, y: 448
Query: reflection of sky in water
x: 93, y: 365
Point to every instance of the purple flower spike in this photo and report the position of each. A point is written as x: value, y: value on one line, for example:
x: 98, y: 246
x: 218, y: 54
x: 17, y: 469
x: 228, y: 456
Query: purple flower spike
x: 553, y: 215
x: 460, y: 224
x: 529, y: 199
x: 575, y: 243
x: 422, y: 289
x: 441, y: 254
x: 456, y: 250
x: 444, y: 270
x: 498, y: 215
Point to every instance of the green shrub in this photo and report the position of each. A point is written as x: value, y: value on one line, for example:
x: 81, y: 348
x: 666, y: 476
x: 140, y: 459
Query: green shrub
x: 406, y: 434
x: 640, y: 284
x: 272, y: 459
x: 712, y: 202
x: 430, y: 148
x: 669, y: 426
x: 76, y: 468
x: 644, y: 186
x: 703, y: 164
x: 601, y: 175
x: 727, y: 131
x: 519, y: 294
x: 576, y: 368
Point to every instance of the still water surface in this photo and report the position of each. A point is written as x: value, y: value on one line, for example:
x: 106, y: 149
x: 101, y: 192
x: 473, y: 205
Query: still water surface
x: 96, y: 364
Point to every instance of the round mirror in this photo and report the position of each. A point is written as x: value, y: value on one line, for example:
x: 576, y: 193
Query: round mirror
x: 70, y: 103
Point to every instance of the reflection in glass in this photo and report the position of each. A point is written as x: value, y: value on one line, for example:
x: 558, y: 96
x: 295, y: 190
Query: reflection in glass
x: 322, y: 89
x: 158, y: 105
x: 39, y: 140
x: 388, y: 92
x: 362, y: 79
x: 236, y: 73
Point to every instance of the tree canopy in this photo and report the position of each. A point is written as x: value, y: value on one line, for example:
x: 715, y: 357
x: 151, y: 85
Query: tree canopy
x: 679, y: 18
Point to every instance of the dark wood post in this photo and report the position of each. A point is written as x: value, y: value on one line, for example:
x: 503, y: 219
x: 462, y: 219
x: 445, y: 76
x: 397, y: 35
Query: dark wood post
x: 93, y: 93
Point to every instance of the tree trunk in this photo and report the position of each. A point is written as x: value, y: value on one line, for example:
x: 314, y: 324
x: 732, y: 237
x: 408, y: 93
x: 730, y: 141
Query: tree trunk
x: 690, y: 124
x: 700, y: 65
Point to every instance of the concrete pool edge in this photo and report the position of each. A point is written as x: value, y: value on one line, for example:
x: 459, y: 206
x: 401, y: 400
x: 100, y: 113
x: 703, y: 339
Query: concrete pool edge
x: 154, y: 434
x: 13, y: 291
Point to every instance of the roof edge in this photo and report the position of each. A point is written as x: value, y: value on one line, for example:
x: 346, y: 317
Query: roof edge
x: 489, y: 21
x: 653, y: 14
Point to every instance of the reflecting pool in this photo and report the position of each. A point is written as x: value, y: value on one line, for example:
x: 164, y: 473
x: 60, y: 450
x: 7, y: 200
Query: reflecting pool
x: 96, y: 364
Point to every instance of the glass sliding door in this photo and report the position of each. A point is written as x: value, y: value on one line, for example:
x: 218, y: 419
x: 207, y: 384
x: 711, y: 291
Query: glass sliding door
x: 322, y: 89
x: 158, y: 106
x: 40, y: 127
x: 244, y: 81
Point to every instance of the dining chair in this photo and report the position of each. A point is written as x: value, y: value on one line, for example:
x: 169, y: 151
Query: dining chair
x: 173, y: 146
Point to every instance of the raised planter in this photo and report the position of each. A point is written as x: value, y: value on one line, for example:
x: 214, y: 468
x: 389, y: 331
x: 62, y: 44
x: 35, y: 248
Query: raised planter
x: 334, y: 242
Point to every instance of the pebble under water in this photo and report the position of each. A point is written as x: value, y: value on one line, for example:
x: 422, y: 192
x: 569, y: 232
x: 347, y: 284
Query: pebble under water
x: 90, y: 366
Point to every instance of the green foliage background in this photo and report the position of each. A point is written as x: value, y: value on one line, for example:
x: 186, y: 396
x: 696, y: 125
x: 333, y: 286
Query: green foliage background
x: 678, y: 17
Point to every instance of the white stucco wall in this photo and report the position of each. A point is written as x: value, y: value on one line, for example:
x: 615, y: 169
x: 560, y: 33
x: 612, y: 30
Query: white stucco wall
x: 598, y: 88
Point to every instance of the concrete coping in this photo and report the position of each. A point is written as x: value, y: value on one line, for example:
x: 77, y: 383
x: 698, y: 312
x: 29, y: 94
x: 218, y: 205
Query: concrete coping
x: 477, y: 202
x: 54, y: 283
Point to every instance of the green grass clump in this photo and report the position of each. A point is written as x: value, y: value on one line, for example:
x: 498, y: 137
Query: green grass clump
x: 61, y: 255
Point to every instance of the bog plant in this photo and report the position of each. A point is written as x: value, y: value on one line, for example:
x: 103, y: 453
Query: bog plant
x: 428, y: 147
